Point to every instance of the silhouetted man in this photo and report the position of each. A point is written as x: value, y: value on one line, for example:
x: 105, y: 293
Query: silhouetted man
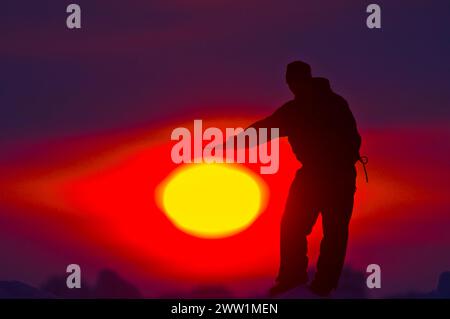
x: 322, y: 133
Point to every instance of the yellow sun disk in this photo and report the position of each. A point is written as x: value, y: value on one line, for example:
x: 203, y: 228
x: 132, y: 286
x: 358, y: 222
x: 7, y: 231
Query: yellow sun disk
x: 212, y: 200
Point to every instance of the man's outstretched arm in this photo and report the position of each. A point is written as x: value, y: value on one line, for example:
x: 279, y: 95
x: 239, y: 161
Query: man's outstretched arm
x: 273, y: 121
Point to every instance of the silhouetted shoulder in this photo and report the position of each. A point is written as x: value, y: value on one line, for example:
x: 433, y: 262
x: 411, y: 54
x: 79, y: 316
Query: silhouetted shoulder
x: 287, y: 112
x: 279, y: 119
x: 288, y: 106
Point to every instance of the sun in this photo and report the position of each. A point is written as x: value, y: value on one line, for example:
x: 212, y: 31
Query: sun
x: 212, y: 200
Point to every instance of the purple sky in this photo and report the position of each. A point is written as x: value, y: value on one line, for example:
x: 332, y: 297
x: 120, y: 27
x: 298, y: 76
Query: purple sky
x: 136, y: 62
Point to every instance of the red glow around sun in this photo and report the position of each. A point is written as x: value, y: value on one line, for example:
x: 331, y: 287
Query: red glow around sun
x: 103, y: 190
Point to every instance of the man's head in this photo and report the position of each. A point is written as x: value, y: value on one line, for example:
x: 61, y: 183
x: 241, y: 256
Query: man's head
x: 298, y: 77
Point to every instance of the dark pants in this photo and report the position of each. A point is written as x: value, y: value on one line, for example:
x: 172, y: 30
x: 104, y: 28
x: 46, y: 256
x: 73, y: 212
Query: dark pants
x: 312, y: 193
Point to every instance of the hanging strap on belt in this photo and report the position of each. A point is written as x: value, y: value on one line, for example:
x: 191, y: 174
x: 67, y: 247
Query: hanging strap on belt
x: 364, y: 160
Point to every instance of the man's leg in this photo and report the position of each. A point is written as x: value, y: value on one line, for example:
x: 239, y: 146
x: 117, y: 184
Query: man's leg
x: 335, y: 222
x: 298, y: 220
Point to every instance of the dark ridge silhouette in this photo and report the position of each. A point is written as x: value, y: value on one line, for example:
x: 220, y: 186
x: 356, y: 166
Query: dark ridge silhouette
x: 19, y: 290
x: 442, y: 291
x: 58, y: 287
x: 352, y: 286
x: 109, y: 285
x: 443, y: 288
